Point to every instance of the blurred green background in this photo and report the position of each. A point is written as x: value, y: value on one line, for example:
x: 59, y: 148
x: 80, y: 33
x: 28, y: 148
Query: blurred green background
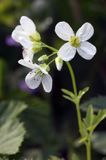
x: 48, y: 122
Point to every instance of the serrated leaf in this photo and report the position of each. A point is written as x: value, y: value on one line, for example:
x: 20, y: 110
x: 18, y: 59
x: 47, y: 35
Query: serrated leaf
x: 11, y: 137
x: 97, y: 102
x: 11, y: 130
x: 11, y: 110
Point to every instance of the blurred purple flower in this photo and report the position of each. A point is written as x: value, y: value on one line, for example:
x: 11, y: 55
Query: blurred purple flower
x: 10, y: 42
x: 23, y: 87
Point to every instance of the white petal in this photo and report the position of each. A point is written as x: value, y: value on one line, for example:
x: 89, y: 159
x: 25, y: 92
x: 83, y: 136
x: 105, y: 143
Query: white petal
x: 85, y: 32
x: 86, y: 50
x: 17, y: 33
x: 64, y: 31
x: 33, y: 80
x: 42, y: 70
x: 28, y: 55
x: 27, y: 25
x: 47, y: 83
x: 21, y: 37
x: 26, y: 43
x: 67, y: 52
x: 27, y: 64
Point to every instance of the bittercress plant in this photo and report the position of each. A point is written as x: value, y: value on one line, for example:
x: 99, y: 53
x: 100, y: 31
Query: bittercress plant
x: 27, y: 35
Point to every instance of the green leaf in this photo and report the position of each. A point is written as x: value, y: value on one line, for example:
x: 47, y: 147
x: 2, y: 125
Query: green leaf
x: 99, y: 142
x: 98, y: 118
x: 11, y: 130
x: 92, y: 120
x: 89, y: 116
x: 11, y: 137
x: 97, y: 102
x: 68, y: 98
x: 69, y: 93
x: 82, y: 92
x: 10, y: 110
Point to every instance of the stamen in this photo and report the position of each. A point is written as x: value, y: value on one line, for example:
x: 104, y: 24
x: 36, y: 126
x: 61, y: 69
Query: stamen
x: 74, y: 41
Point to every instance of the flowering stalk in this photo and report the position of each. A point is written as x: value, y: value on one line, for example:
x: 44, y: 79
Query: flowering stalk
x: 77, y: 104
x: 88, y: 142
x: 27, y: 35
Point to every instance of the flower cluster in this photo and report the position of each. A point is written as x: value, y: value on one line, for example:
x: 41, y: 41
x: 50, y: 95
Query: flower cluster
x: 30, y: 39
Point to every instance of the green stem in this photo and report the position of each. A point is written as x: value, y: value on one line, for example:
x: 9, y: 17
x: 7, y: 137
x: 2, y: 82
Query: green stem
x: 51, y: 61
x: 49, y: 47
x: 52, y: 54
x: 77, y: 102
x: 88, y: 149
x: 79, y: 117
x: 75, y: 92
x: 72, y: 77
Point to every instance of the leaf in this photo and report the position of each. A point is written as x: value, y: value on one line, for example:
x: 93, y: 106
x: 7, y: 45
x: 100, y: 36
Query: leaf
x: 69, y: 93
x: 99, y: 142
x: 68, y: 98
x: 98, y: 118
x: 11, y: 137
x: 97, y: 102
x: 11, y: 130
x: 10, y: 110
x: 89, y: 116
x: 82, y: 92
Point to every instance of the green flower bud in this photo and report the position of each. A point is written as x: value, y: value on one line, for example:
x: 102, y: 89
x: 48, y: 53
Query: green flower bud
x: 43, y: 58
x: 59, y: 63
x: 35, y: 37
x: 37, y: 46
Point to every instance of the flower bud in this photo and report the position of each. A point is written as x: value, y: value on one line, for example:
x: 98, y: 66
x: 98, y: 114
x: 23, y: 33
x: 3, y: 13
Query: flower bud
x: 37, y: 46
x: 43, y: 58
x: 59, y: 63
x: 35, y: 37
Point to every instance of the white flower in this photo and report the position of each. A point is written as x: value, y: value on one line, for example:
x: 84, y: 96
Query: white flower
x: 27, y: 35
x: 27, y: 55
x: 59, y: 63
x: 37, y: 75
x: 76, y: 42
